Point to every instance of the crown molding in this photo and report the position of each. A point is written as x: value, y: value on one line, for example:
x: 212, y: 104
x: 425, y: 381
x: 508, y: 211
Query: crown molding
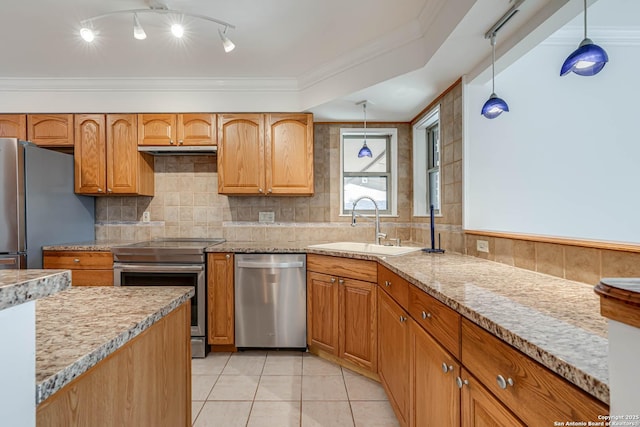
x: 148, y: 84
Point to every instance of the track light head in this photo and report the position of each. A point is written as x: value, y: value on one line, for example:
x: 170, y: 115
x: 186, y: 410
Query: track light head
x: 87, y: 34
x: 138, y: 31
x: 226, y: 42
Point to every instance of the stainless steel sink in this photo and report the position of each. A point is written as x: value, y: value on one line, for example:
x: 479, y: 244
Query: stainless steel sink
x: 366, y: 248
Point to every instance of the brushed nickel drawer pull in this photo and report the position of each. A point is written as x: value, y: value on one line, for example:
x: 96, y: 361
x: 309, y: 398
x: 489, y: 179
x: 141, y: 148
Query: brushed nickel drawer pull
x: 76, y: 260
x: 403, y: 319
x: 387, y: 283
x: 426, y: 315
x: 502, y: 383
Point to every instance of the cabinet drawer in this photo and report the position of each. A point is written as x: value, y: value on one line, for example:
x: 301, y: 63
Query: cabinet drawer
x: 394, y: 285
x: 436, y: 318
x: 537, y: 396
x: 92, y: 277
x: 78, y: 260
x: 344, y: 267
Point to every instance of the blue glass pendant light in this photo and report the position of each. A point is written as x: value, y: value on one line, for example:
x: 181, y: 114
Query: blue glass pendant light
x: 494, y: 105
x: 365, y: 151
x: 588, y: 59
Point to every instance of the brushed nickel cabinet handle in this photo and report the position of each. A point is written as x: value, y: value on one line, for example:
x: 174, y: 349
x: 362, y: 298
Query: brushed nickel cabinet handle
x: 260, y: 190
x: 502, y: 383
x: 446, y: 368
x: 426, y: 315
x: 333, y: 280
x: 76, y: 260
x: 341, y: 281
x: 403, y: 319
x: 387, y: 283
x: 460, y: 382
x: 228, y: 256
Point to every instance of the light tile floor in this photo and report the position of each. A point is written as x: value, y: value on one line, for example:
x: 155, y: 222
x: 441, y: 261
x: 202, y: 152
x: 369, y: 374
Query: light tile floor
x: 283, y: 389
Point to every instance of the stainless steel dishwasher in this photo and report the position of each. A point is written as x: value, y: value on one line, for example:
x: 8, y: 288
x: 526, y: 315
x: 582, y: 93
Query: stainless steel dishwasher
x: 270, y: 301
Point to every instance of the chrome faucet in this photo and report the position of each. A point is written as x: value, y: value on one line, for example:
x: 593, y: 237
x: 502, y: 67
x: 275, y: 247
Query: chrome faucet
x: 379, y: 235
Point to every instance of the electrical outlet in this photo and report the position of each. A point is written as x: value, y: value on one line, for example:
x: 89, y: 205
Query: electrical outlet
x: 482, y: 246
x: 146, y: 216
x: 269, y: 217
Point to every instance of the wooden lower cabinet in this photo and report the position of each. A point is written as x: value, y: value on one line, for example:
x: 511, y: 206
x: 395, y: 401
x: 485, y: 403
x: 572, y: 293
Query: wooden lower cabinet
x: 481, y: 409
x: 342, y: 310
x: 393, y: 354
x: 220, y: 295
x: 433, y: 393
x: 147, y: 382
x: 88, y: 268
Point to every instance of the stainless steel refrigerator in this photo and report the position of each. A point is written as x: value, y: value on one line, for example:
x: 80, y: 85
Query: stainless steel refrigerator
x: 37, y: 204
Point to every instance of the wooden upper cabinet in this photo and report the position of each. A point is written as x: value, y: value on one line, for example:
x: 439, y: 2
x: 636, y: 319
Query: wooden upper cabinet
x: 89, y: 154
x: 197, y: 129
x: 50, y: 130
x: 13, y: 126
x: 157, y: 129
x: 106, y: 157
x: 241, y: 168
x: 289, y: 154
x: 265, y: 154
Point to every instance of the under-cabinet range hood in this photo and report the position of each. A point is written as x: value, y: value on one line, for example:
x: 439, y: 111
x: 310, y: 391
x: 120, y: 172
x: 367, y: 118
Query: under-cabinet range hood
x: 169, y: 150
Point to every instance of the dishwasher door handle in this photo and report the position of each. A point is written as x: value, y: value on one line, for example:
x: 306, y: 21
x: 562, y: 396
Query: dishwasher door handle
x: 245, y: 264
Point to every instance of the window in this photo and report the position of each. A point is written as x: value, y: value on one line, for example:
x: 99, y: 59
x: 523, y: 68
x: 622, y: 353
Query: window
x: 368, y: 176
x: 426, y: 165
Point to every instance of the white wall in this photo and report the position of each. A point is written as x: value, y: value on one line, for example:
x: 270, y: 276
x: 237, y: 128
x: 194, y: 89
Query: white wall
x: 565, y: 161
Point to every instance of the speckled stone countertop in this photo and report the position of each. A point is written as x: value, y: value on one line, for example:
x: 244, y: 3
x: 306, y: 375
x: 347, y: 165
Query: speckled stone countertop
x: 79, y: 327
x: 556, y: 322
x: 93, y: 245
x: 20, y: 286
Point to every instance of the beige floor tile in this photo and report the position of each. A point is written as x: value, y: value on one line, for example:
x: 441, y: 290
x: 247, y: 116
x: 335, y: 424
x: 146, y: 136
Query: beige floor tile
x: 373, y: 414
x: 313, y: 365
x: 227, y: 414
x: 323, y: 387
x: 213, y: 364
x: 279, y: 387
x: 201, y: 386
x: 196, y: 406
x: 326, y: 414
x: 275, y: 414
x: 283, y: 365
x: 249, y: 363
x: 362, y: 388
x: 235, y: 387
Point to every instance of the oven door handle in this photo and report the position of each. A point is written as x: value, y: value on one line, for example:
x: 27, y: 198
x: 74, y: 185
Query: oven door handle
x: 157, y: 268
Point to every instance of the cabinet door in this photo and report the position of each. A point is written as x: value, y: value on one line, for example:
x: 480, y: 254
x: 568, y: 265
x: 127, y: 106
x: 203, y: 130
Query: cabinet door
x: 434, y: 394
x: 289, y: 154
x: 322, y: 312
x: 481, y: 409
x: 50, y: 130
x: 157, y: 129
x: 122, y: 154
x: 220, y: 299
x: 241, y: 154
x: 13, y: 126
x: 197, y: 129
x: 393, y: 354
x: 89, y: 154
x: 358, y: 323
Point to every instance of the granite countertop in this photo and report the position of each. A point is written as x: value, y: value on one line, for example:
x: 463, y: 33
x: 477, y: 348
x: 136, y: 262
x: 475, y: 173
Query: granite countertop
x: 79, y: 327
x: 20, y: 286
x: 555, y: 321
x: 92, y: 245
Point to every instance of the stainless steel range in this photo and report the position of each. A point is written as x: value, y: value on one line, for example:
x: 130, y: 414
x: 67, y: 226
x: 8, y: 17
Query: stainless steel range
x: 169, y: 262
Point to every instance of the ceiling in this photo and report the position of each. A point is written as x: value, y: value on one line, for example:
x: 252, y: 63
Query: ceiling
x: 321, y: 56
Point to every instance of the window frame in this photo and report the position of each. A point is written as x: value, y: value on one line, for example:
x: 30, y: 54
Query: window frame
x: 392, y: 167
x: 421, y: 162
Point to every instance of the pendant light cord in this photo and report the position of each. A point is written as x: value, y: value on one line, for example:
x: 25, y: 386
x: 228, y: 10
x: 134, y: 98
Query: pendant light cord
x: 493, y: 62
x: 364, y: 107
x: 585, y: 19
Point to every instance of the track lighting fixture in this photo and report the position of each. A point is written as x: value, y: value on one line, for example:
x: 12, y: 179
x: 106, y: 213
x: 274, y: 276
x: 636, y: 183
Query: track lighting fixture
x: 138, y: 31
x: 494, y: 105
x: 588, y: 59
x: 364, y: 151
x: 177, y: 29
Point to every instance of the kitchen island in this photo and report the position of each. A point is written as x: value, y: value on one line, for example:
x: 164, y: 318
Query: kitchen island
x: 99, y: 355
